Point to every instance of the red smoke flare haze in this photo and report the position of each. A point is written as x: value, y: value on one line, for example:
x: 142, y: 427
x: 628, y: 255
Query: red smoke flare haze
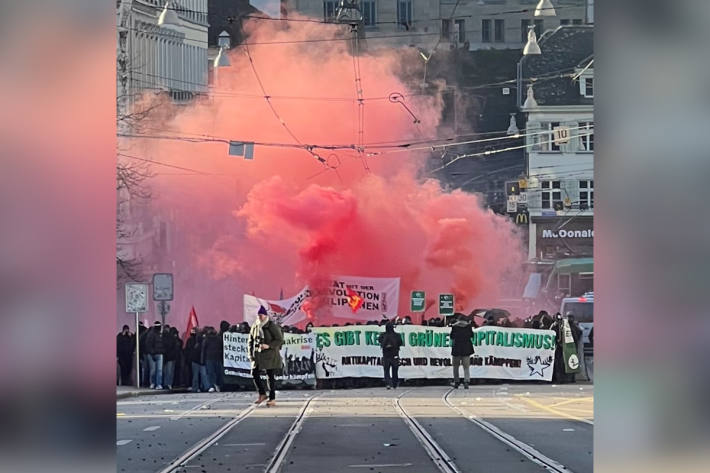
x: 284, y: 219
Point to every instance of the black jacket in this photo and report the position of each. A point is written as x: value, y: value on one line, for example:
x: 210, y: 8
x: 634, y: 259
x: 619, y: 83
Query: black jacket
x: 461, y: 335
x: 172, y: 346
x: 125, y: 345
x: 213, y: 347
x: 154, y: 342
x: 193, y: 349
x: 390, y: 341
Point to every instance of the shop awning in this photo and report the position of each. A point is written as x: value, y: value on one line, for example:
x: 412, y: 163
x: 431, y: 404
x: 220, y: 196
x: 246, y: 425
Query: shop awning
x: 533, y: 286
x: 575, y: 265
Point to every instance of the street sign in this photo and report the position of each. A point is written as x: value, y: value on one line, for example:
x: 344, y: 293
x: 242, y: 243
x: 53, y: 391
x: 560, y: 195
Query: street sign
x: 136, y: 298
x: 162, y: 287
x: 523, y: 198
x: 561, y: 134
x: 446, y: 304
x: 417, y: 302
x: 512, y: 207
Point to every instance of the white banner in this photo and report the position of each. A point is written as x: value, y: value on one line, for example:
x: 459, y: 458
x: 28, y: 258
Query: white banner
x: 350, y: 297
x: 500, y: 353
x: 297, y: 353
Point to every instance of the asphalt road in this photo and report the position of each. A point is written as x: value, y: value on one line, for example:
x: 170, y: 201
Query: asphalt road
x: 487, y: 428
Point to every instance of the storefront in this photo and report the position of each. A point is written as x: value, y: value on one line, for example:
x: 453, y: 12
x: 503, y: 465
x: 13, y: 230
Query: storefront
x: 562, y: 248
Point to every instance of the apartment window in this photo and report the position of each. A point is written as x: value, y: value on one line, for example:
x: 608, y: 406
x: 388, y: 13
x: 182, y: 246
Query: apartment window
x: 551, y: 193
x: 404, y: 13
x: 586, y: 136
x: 462, y: 30
x: 445, y: 28
x: 330, y: 10
x: 588, y: 87
x: 368, y: 12
x: 577, y: 21
x: 499, y: 31
x: 586, y: 194
x: 539, y: 28
x: 564, y: 22
x: 547, y: 137
x: 524, y: 26
x: 485, y: 31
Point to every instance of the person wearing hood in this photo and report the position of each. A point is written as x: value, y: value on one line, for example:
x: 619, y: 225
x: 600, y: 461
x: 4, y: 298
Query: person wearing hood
x: 125, y: 347
x: 461, y: 350
x: 390, y: 341
x: 265, y: 340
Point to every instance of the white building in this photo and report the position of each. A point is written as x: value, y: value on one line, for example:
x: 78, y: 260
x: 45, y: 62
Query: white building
x: 170, y: 58
x: 560, y: 153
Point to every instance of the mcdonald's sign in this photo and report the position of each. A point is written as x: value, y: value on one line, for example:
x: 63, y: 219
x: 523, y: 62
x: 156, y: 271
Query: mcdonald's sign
x: 522, y: 217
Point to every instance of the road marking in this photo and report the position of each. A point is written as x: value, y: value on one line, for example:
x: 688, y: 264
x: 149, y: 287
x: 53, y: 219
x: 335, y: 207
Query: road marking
x: 570, y: 401
x: 196, y: 408
x: 151, y: 428
x: 123, y: 442
x: 435, y: 452
x: 567, y: 430
x: 352, y: 425
x: 120, y: 414
x: 555, y: 411
x: 383, y: 465
x: 525, y: 449
x: 281, y: 450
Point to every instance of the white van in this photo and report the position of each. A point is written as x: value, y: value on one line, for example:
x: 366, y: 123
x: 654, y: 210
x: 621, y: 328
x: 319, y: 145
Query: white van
x: 583, y: 309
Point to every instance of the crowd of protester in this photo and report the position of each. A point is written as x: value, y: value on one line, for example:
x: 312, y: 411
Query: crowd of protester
x: 168, y: 361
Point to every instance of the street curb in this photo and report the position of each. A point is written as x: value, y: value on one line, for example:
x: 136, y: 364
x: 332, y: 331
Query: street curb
x: 148, y: 393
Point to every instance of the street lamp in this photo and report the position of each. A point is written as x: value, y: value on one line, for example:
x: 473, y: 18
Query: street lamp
x: 545, y: 8
x: 168, y: 16
x: 531, y: 47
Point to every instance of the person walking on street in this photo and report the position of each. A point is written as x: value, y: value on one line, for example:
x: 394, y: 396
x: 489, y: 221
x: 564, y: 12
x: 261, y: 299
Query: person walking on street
x: 156, y: 351
x: 265, y: 340
x: 213, y: 353
x: 390, y: 342
x: 125, y: 347
x: 461, y: 350
x: 172, y: 350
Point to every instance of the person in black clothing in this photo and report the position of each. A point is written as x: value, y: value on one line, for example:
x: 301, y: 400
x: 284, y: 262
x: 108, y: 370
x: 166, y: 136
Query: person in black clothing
x: 461, y: 350
x: 213, y: 354
x: 144, y: 369
x: 125, y: 346
x: 156, y: 351
x: 223, y: 327
x: 558, y: 371
x: 390, y: 341
x: 195, y: 354
x: 171, y: 343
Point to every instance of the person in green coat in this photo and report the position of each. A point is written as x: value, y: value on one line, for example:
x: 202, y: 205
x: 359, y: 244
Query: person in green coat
x: 265, y: 340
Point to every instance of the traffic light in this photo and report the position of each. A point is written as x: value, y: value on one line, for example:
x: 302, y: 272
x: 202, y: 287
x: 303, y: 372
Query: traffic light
x: 512, y: 188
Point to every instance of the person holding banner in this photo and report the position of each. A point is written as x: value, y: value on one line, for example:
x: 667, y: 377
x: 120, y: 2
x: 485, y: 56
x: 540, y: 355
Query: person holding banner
x: 265, y: 340
x: 390, y: 341
x: 461, y: 350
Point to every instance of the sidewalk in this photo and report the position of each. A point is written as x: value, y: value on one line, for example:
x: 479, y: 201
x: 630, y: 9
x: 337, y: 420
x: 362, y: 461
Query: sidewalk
x: 131, y: 391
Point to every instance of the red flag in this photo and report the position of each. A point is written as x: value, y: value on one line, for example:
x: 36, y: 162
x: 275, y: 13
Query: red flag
x: 191, y: 323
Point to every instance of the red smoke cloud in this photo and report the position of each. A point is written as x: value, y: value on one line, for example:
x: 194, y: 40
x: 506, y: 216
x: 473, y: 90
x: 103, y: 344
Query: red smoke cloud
x: 284, y: 219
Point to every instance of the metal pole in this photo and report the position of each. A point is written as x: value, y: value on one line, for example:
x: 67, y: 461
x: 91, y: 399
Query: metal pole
x: 138, y: 355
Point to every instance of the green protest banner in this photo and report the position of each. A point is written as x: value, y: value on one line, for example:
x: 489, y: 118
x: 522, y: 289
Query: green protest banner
x: 417, y: 301
x: 569, y: 350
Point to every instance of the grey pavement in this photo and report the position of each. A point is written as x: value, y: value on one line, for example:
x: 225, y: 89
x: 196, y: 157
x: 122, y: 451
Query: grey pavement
x: 488, y: 428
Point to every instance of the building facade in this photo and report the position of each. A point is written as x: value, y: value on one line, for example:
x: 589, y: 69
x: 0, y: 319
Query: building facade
x: 474, y: 24
x: 559, y: 133
x: 161, y: 58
